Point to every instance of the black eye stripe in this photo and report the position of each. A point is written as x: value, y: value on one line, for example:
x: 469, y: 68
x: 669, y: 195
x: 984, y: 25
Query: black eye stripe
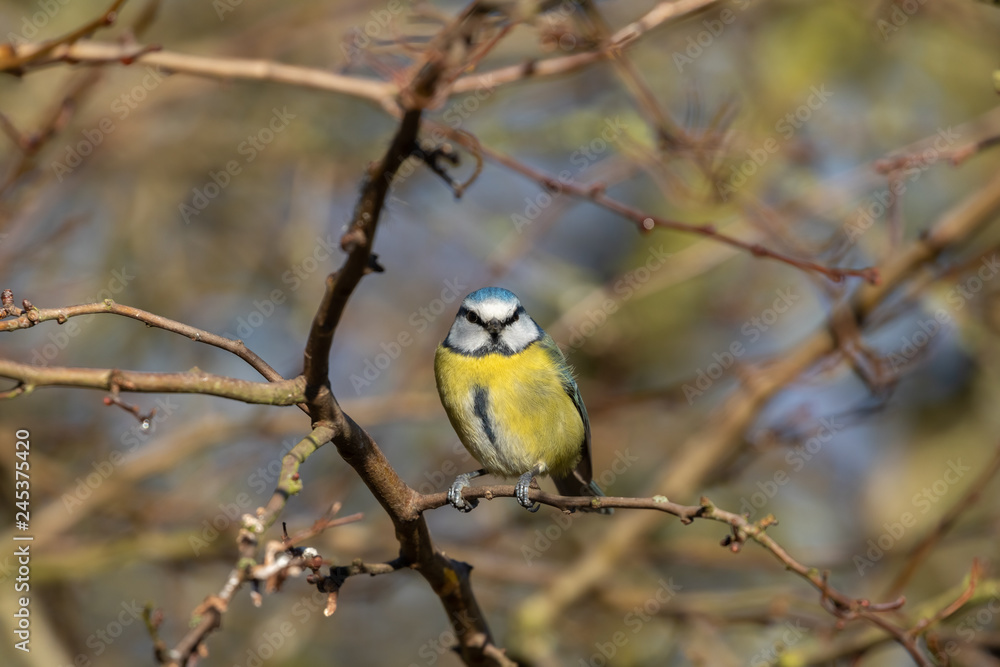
x: 474, y: 318
x: 515, y: 317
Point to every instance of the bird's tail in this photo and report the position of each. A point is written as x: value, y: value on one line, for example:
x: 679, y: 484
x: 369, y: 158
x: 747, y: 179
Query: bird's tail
x: 571, y: 485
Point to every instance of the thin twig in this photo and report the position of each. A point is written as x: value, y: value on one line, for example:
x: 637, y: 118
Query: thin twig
x: 283, y: 392
x: 626, y: 36
x: 36, y: 316
x: 14, y: 62
x: 644, y: 221
x: 213, y: 67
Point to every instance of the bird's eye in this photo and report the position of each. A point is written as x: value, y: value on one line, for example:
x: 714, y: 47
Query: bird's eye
x: 472, y: 317
x: 516, y: 317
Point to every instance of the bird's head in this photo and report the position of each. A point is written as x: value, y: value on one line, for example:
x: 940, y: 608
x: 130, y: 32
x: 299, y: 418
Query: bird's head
x: 492, y: 320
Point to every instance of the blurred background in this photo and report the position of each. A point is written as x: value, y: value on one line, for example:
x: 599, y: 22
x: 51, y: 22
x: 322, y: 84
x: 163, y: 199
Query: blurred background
x: 220, y: 203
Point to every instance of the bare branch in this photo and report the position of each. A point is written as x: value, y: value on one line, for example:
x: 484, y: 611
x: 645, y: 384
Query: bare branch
x: 742, y: 530
x: 35, y: 316
x: 621, y: 39
x: 212, y: 67
x: 448, y: 578
x: 30, y: 377
x: 13, y: 59
x: 646, y: 222
x: 698, y: 457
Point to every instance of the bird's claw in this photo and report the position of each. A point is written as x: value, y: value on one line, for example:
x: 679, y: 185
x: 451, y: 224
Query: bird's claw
x: 521, y: 491
x: 455, y: 495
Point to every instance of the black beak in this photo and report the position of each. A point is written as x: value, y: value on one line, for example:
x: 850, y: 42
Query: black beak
x: 494, y: 327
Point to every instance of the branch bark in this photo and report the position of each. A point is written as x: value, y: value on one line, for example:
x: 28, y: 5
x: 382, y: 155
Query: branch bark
x: 36, y: 316
x: 448, y: 578
x: 30, y: 377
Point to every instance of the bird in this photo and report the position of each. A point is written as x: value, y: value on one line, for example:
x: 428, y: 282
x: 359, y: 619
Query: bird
x: 512, y: 400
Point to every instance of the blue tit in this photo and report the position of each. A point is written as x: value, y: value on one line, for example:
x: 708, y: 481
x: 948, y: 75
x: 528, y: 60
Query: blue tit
x: 512, y: 399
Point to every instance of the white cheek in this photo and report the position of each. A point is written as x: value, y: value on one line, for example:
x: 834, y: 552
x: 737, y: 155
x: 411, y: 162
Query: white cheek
x: 468, y: 337
x: 521, y: 334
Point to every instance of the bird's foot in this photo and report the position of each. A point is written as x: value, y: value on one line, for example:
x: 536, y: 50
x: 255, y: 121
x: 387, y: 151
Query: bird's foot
x: 455, y: 494
x: 521, y: 491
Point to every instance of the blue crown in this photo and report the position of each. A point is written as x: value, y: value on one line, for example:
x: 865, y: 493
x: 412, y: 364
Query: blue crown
x: 490, y: 293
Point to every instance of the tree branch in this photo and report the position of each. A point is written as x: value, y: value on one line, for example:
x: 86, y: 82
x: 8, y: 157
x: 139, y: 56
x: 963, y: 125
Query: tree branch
x: 30, y: 377
x: 646, y: 222
x: 699, y: 455
x: 837, y: 603
x: 33, y: 316
x: 212, y: 67
x: 621, y: 39
x: 448, y: 578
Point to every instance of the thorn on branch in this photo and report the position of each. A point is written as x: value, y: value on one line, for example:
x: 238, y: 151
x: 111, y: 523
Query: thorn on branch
x: 688, y: 517
x: 374, y: 266
x: 332, y: 583
x: 145, y: 420
x: 433, y: 157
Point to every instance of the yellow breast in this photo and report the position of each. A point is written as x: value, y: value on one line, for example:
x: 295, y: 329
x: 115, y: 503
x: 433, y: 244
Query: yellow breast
x: 511, y: 412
